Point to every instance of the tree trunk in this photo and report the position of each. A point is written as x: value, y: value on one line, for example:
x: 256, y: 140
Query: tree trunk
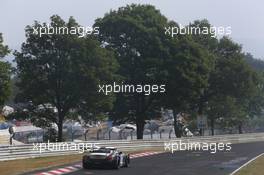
x: 240, y: 128
x: 60, y: 126
x: 140, y: 115
x: 140, y: 127
x: 212, y: 126
x: 177, y: 126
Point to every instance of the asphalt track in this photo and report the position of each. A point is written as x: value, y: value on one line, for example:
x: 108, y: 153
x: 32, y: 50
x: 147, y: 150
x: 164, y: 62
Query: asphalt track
x: 186, y: 162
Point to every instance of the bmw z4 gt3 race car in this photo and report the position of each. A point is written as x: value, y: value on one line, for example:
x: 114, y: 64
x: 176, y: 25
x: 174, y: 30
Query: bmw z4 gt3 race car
x: 105, y: 157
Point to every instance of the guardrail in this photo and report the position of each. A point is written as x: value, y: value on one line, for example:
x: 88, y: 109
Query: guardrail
x: 31, y: 151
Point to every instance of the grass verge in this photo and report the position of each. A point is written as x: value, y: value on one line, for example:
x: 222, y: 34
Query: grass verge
x: 254, y: 168
x: 14, y: 167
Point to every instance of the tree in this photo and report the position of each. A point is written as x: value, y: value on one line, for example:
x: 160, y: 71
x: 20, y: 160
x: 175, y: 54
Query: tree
x: 255, y: 63
x: 136, y: 34
x: 256, y: 102
x: 59, y: 73
x: 232, y: 77
x: 186, y: 68
x: 5, y: 73
x: 231, y: 81
x: 189, y: 66
x: 148, y: 56
x: 226, y: 109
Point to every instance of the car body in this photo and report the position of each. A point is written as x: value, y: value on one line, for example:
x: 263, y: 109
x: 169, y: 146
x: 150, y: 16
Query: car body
x: 105, y: 157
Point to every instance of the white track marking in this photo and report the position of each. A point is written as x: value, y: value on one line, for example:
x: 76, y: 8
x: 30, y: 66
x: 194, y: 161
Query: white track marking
x: 245, y: 164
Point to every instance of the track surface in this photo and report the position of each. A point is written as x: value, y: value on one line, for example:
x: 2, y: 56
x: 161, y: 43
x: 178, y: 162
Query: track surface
x: 186, y: 162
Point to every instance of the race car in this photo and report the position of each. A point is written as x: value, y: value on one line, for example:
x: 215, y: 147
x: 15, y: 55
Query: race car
x: 105, y: 157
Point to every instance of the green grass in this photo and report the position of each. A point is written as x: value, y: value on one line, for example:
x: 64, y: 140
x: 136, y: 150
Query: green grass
x: 13, y: 167
x: 254, y: 168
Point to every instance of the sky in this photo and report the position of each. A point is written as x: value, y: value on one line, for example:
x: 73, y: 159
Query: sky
x: 246, y: 17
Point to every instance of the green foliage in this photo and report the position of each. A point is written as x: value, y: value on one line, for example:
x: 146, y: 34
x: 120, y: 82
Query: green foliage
x: 136, y: 34
x: 5, y: 73
x: 64, y: 71
x: 189, y: 66
x: 257, y: 100
x: 256, y: 64
x: 234, y: 88
x: 188, y: 72
x: 231, y: 80
x: 207, y: 41
x: 3, y: 48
